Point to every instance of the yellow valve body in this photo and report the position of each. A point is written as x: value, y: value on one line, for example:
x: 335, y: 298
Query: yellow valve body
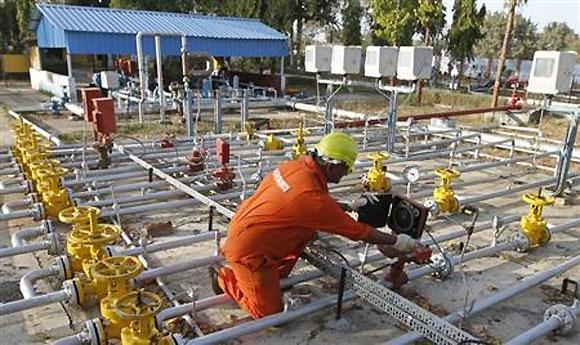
x: 534, y: 227
x: 299, y: 148
x: 272, y: 143
x: 375, y: 180
x: 444, y: 195
x: 84, y: 243
x: 141, y: 307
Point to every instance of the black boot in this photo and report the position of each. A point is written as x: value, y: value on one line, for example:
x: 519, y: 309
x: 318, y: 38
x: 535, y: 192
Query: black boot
x: 213, y: 278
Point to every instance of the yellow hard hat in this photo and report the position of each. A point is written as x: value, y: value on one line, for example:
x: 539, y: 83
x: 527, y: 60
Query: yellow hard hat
x: 339, y: 146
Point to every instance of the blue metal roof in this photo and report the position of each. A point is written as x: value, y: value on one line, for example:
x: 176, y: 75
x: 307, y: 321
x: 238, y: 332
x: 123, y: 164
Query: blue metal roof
x: 97, y: 30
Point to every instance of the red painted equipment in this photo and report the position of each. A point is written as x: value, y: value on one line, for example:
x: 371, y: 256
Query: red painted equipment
x: 104, y: 116
x: 196, y: 159
x: 167, y: 141
x: 397, y: 276
x: 361, y: 123
x: 88, y: 94
x: 224, y: 175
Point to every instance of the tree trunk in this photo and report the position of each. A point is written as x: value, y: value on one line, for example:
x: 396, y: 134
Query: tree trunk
x: 504, y: 51
x: 298, y: 57
x: 291, y: 49
x: 488, y: 68
x: 460, y: 74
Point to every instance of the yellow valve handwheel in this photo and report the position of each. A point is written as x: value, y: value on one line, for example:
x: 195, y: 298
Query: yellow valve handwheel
x: 51, y: 172
x: 117, y: 267
x: 76, y: 215
x: 106, y: 233
x: 447, y: 173
x: 138, y: 304
x: 537, y: 200
x: 44, y: 164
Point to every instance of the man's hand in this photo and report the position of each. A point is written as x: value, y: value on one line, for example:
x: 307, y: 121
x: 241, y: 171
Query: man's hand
x: 366, y: 198
x: 406, y: 243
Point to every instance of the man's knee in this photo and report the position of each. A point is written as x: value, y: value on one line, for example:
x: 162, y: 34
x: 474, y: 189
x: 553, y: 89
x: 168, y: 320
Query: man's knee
x: 260, y: 308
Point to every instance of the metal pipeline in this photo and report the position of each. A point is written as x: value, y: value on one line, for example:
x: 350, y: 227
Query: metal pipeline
x: 36, y: 301
x: 25, y: 249
x: 145, y: 249
x: 28, y: 280
x: 557, y: 317
x: 496, y: 298
x: 176, y: 268
x: 18, y: 238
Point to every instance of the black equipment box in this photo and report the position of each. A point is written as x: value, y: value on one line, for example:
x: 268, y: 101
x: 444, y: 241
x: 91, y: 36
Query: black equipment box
x: 403, y: 215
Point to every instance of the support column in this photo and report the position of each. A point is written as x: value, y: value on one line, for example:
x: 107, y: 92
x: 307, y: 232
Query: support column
x: 282, y: 78
x: 244, y: 111
x: 392, y: 122
x: 160, y: 91
x: 69, y: 64
x: 218, y: 112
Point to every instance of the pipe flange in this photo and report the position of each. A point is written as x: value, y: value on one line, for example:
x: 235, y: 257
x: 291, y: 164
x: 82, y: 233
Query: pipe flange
x: 96, y: 332
x: 63, y: 264
x: 26, y: 186
x: 31, y: 199
x: 442, y: 265
x: 55, y: 246
x: 523, y: 242
x: 72, y: 288
x: 38, y: 211
x: 564, y: 315
x: 433, y: 208
x: 46, y: 227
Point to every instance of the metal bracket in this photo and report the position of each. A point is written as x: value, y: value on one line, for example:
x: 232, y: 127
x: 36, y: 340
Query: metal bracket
x: 429, y: 325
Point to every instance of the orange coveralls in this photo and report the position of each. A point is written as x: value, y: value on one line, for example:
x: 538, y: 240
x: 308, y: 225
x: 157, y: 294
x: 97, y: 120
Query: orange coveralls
x: 272, y: 228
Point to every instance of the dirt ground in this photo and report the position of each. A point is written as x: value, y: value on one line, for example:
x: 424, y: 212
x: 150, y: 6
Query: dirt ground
x: 367, y: 324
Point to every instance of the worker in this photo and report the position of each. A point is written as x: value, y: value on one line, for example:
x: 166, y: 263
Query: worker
x: 272, y: 227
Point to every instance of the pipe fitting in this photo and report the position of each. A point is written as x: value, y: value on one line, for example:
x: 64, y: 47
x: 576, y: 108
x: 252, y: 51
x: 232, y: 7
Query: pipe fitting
x: 565, y: 315
x: 442, y: 265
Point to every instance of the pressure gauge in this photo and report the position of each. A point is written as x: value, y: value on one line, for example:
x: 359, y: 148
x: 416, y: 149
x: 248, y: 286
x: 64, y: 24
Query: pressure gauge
x: 411, y: 174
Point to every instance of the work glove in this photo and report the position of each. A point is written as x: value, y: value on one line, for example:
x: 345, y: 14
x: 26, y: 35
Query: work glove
x: 406, y: 243
x: 363, y: 200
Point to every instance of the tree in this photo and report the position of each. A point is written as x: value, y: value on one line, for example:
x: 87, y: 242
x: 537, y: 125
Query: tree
x: 465, y: 31
x: 556, y: 36
x: 23, y: 11
x: 9, y: 31
x: 512, y: 4
x: 430, y: 16
x: 394, y: 20
x: 524, y: 41
x: 351, y: 15
x: 492, y: 39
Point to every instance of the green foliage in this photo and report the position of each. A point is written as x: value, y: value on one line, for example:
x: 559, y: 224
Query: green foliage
x: 394, y: 21
x: 557, y: 36
x: 351, y: 31
x: 23, y: 11
x: 430, y: 19
x: 9, y: 31
x: 493, y: 31
x: 524, y: 37
x: 466, y: 29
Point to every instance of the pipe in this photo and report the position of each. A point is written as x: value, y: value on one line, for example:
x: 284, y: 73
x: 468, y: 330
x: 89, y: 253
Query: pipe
x: 34, y: 126
x: 162, y: 246
x: 18, y: 238
x: 268, y: 321
x: 160, y: 92
x: 29, y: 248
x: 77, y: 339
x: 36, y: 301
x: 30, y: 278
x: 464, y: 200
x: 551, y: 323
x: 496, y: 298
x: 175, y: 268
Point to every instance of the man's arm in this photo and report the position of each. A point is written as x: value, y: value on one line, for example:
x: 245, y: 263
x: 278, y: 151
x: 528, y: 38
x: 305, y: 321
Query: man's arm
x: 379, y: 237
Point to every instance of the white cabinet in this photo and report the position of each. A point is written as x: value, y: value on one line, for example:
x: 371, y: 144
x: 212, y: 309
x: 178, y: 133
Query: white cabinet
x: 552, y: 72
x: 345, y: 60
x: 381, y: 61
x: 414, y: 63
x: 317, y: 58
